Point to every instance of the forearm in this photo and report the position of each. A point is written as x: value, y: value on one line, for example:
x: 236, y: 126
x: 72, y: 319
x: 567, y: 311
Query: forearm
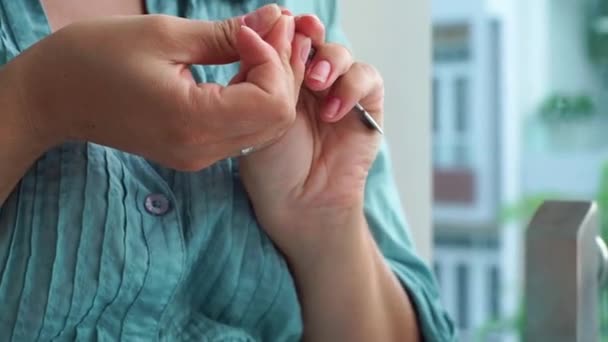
x: 348, y: 292
x: 18, y: 148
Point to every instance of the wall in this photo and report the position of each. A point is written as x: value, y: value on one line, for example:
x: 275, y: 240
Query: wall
x: 394, y: 36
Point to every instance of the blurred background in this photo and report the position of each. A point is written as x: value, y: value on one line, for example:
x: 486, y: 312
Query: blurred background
x: 519, y: 115
x: 515, y: 111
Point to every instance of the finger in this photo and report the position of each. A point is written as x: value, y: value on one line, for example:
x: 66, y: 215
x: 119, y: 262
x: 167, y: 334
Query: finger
x: 263, y: 19
x: 330, y: 62
x: 253, y: 103
x: 207, y: 42
x: 311, y: 26
x: 254, y: 52
x: 281, y: 37
x: 239, y: 97
x: 361, y: 84
x: 251, y: 57
x: 301, y: 49
x: 280, y: 42
x: 248, y: 113
x: 285, y: 11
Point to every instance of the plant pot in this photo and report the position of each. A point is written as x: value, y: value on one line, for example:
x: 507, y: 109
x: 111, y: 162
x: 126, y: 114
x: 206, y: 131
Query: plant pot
x: 580, y: 134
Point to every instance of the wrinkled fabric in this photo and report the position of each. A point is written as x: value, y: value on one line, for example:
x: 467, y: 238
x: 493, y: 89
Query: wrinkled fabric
x: 81, y: 257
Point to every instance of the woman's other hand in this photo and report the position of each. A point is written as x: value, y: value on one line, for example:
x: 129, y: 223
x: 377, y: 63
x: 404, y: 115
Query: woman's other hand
x: 307, y: 191
x: 125, y: 82
x: 314, y: 176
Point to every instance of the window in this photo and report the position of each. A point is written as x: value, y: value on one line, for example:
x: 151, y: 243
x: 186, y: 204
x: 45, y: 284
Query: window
x: 436, y: 95
x: 494, y: 291
x: 461, y: 99
x: 451, y: 43
x: 452, y: 75
x: 462, y: 296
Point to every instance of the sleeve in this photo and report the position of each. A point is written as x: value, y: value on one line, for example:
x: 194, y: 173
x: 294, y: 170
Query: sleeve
x: 388, y: 224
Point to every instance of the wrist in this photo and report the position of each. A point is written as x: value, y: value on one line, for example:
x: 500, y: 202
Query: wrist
x: 348, y: 292
x: 316, y: 217
x: 333, y: 240
x: 18, y: 132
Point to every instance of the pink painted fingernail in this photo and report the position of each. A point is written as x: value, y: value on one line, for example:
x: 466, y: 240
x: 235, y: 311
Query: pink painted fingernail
x: 332, y: 107
x: 320, y: 72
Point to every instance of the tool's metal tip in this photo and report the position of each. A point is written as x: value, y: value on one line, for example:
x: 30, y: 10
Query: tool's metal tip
x: 367, y: 119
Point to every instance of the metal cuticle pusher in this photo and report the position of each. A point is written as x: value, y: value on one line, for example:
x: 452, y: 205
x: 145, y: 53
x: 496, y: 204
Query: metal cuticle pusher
x: 366, y: 117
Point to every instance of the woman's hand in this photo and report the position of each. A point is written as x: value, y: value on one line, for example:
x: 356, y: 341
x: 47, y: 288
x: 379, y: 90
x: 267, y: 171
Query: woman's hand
x: 307, y: 191
x: 314, y: 176
x: 125, y: 82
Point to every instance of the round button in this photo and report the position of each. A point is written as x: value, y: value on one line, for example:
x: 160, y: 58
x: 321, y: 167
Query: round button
x: 157, y: 204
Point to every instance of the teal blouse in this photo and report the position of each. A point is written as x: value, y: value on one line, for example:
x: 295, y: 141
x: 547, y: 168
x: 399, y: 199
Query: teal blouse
x: 99, y: 244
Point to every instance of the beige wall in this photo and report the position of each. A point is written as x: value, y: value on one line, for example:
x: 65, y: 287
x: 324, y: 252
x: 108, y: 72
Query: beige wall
x: 394, y: 35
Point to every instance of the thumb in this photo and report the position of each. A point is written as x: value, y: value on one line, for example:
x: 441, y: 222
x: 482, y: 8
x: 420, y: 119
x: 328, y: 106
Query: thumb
x: 215, y: 42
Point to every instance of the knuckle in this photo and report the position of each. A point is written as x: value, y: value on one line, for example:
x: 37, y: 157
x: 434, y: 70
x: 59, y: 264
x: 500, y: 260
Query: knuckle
x: 224, y: 35
x: 368, y: 72
x: 376, y: 76
x: 362, y: 68
x: 341, y: 51
x: 344, y: 51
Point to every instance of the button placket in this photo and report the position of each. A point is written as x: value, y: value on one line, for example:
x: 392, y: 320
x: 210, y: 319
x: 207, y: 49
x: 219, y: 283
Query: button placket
x: 164, y: 242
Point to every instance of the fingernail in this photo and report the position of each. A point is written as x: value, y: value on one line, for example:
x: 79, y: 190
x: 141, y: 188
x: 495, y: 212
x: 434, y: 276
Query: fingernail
x: 256, y: 20
x: 285, y: 11
x: 305, y: 51
x: 332, y: 107
x: 321, y: 71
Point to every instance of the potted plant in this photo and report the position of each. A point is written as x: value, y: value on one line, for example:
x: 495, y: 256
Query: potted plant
x: 572, y: 122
